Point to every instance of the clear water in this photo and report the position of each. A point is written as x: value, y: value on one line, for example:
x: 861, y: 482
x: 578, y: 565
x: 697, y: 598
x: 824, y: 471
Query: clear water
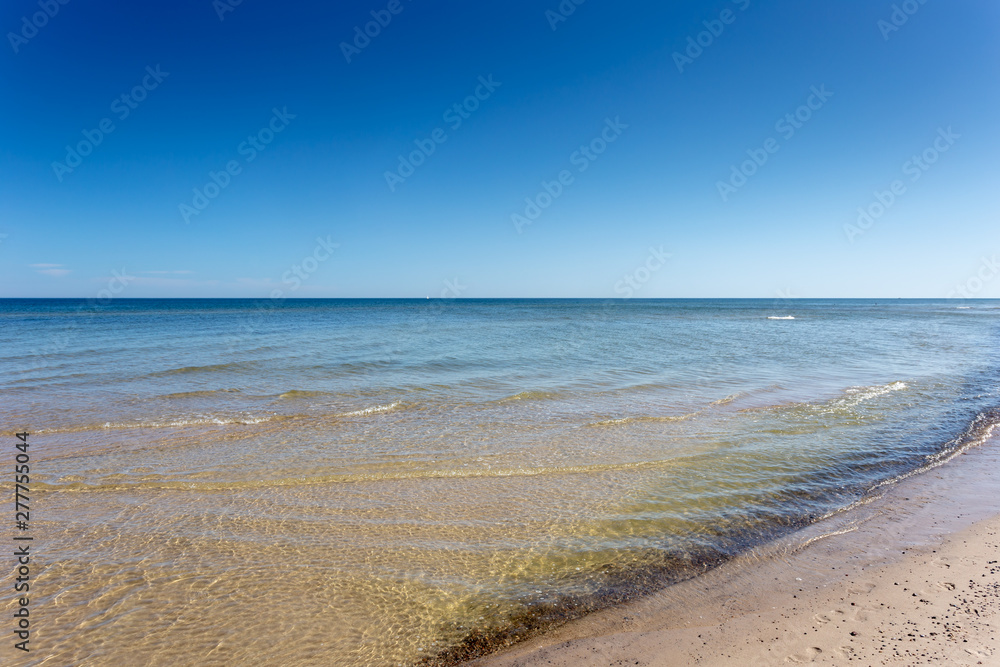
x: 383, y: 482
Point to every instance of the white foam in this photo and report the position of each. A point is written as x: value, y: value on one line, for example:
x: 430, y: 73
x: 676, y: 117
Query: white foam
x: 783, y: 317
x: 189, y: 422
x: 864, y: 393
x: 371, y: 411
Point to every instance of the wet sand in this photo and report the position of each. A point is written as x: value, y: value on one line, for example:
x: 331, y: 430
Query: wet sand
x: 909, y: 579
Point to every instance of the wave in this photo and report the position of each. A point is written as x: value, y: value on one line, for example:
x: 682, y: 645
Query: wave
x: 200, y: 394
x: 732, y: 397
x: 535, y: 395
x: 220, y: 420
x: 372, y: 410
x: 363, y: 368
x: 621, y: 421
x: 156, y: 482
x: 301, y: 393
x: 746, y: 394
x: 859, y: 394
x: 635, y: 419
x: 170, y: 423
x: 976, y: 434
x: 211, y: 368
x: 782, y: 317
x: 851, y: 397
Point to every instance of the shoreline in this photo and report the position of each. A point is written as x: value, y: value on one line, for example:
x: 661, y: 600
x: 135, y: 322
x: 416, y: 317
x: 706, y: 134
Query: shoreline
x: 920, y: 559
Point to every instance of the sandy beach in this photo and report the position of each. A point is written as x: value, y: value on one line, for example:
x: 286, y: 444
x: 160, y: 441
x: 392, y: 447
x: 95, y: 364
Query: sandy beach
x: 910, y: 579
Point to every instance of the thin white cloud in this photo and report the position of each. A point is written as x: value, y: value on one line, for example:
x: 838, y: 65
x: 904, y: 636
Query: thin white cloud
x: 54, y: 270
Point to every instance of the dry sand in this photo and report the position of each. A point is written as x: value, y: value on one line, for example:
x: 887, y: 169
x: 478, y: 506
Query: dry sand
x: 909, y: 579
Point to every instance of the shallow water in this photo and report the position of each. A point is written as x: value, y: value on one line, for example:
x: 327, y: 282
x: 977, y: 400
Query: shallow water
x: 376, y: 482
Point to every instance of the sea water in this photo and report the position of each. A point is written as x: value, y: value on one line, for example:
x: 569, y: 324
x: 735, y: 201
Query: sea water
x: 371, y: 482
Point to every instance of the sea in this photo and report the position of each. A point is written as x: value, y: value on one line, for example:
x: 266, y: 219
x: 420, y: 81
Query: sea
x: 405, y: 482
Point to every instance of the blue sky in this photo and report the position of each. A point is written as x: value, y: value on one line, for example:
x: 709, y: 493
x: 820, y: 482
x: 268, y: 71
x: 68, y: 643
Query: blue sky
x: 644, y: 126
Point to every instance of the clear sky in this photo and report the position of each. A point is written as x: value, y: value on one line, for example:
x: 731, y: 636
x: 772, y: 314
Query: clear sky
x: 620, y: 123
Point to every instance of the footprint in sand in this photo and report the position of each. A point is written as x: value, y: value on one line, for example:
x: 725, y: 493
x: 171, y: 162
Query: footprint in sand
x: 845, y: 652
x: 941, y: 561
x: 808, y: 655
x: 946, y: 585
x: 834, y: 614
x: 978, y: 654
x: 861, y: 588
